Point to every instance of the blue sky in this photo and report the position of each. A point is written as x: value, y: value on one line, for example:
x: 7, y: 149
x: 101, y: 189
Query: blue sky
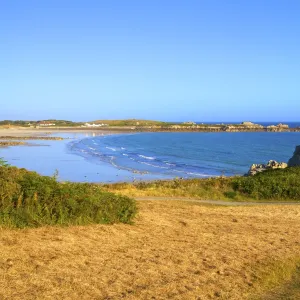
x: 155, y: 59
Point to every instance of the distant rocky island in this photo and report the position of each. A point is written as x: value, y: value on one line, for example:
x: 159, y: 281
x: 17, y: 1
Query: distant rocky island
x: 192, y: 126
x: 148, y: 125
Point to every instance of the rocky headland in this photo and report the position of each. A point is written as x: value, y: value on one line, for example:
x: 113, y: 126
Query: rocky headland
x: 294, y: 161
x: 272, y: 164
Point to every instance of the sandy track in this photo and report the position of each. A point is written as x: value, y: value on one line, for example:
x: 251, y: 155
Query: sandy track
x: 215, y: 202
x: 174, y: 250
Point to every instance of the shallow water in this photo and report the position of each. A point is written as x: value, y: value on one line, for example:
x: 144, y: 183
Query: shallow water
x: 52, y: 156
x: 112, y: 158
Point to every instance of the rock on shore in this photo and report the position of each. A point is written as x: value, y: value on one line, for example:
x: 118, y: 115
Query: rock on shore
x: 272, y: 164
x: 295, y: 159
x: 8, y: 144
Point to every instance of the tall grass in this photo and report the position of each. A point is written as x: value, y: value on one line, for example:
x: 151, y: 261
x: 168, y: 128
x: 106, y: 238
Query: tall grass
x: 277, y: 185
x: 28, y: 199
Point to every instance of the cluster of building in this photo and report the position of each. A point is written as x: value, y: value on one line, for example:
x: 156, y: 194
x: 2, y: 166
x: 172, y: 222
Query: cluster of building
x: 94, y: 125
x: 44, y: 123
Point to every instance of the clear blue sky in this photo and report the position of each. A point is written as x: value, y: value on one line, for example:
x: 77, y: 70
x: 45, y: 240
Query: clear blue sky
x: 156, y: 59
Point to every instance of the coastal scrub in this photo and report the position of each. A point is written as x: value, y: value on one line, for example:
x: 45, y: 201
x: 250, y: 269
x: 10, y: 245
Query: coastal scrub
x: 28, y: 199
x: 271, y: 185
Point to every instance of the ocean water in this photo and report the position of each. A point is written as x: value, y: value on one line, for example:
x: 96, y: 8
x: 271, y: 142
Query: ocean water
x: 188, y: 154
x: 52, y: 156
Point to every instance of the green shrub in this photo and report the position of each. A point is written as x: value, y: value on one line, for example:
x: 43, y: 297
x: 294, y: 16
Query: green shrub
x: 279, y: 184
x: 28, y: 199
x: 230, y: 194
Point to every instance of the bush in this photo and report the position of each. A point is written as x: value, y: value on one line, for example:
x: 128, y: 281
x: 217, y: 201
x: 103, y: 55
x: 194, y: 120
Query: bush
x: 279, y: 184
x: 28, y: 199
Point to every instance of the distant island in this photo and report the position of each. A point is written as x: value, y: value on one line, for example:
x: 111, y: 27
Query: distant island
x: 150, y: 126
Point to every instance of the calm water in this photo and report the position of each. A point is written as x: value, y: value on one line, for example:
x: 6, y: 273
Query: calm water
x: 186, y: 154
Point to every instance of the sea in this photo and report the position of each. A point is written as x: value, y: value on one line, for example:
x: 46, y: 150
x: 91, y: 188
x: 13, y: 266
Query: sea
x: 153, y: 155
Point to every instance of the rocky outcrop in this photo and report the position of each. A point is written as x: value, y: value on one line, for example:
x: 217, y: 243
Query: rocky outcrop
x: 8, y: 144
x: 46, y: 138
x: 295, y: 159
x: 272, y: 164
x: 250, y: 124
x: 279, y: 127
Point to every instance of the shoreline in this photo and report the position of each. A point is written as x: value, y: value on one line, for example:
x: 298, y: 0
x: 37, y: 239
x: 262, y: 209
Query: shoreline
x: 81, y: 167
x: 57, y: 157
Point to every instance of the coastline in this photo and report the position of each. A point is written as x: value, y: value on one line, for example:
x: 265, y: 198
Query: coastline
x: 58, y: 157
x: 80, y: 164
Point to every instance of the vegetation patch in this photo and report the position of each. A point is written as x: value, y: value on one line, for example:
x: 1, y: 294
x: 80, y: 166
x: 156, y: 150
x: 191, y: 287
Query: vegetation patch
x: 271, y: 185
x: 278, y: 184
x: 28, y: 199
x: 277, y: 280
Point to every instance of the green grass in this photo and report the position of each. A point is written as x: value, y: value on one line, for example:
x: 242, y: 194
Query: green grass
x: 132, y: 122
x: 278, y: 280
x: 271, y: 185
x: 28, y: 199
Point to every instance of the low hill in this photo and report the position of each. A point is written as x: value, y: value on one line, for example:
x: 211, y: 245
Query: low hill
x: 131, y: 122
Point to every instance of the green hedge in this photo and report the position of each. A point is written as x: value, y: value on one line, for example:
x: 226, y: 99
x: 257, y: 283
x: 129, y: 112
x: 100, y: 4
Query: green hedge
x: 28, y: 199
x: 278, y: 184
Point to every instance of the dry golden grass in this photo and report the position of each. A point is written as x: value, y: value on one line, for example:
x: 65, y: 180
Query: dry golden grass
x: 174, y: 250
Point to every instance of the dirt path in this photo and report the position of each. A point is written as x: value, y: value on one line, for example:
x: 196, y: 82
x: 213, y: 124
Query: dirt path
x: 214, y: 202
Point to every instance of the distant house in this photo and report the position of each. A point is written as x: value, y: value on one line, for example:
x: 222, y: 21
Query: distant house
x: 93, y: 125
x: 45, y: 123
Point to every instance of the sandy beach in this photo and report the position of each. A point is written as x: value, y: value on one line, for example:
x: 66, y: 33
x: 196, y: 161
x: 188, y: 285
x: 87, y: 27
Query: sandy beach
x: 56, y: 155
x: 22, y: 131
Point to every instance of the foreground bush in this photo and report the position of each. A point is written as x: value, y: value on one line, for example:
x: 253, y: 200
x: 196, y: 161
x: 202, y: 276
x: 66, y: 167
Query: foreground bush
x: 28, y: 199
x: 279, y: 184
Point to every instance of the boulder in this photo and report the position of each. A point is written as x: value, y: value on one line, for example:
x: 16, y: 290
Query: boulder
x: 272, y: 164
x: 295, y: 159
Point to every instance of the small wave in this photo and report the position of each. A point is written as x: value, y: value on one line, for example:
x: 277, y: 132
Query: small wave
x: 125, y: 154
x: 110, y: 148
x: 198, y: 174
x: 147, y: 157
x: 92, y: 148
x: 155, y: 166
x: 123, y: 148
x: 169, y: 164
x: 192, y: 173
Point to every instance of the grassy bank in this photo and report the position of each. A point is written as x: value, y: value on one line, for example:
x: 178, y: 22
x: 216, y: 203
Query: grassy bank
x: 28, y: 199
x: 271, y: 185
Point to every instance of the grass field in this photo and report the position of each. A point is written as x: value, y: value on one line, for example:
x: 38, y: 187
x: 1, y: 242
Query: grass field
x: 174, y: 250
